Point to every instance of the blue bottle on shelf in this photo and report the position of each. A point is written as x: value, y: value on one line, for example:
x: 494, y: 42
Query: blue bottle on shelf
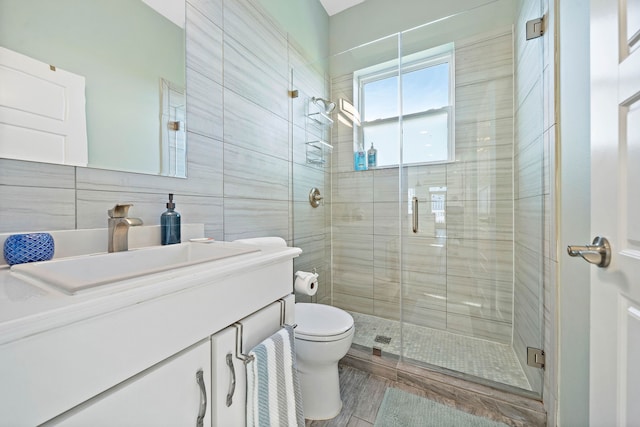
x: 360, y: 159
x: 170, y: 224
x: 372, y: 157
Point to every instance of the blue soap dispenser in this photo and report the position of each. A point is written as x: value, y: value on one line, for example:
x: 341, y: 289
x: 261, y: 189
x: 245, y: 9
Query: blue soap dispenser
x: 372, y: 157
x: 170, y: 224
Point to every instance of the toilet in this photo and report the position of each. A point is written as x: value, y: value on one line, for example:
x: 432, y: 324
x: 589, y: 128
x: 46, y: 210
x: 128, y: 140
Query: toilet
x: 323, y: 336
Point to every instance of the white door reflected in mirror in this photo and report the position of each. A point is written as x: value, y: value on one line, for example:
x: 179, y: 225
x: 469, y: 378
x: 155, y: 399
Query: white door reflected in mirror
x: 42, y: 112
x: 125, y: 50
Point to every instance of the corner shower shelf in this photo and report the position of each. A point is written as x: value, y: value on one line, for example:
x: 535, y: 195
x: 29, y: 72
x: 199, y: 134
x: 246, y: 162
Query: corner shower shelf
x: 316, y: 152
x: 317, y: 132
x: 320, y: 145
x: 321, y: 118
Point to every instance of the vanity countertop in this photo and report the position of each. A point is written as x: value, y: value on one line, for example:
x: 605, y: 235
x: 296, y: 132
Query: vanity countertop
x: 28, y: 308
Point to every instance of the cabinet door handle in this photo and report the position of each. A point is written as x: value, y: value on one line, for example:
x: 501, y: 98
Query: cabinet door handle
x: 203, y: 399
x: 232, y: 386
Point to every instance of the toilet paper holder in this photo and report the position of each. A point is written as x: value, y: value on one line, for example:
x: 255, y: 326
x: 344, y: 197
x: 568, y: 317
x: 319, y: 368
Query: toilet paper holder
x: 305, y: 283
x: 314, y: 272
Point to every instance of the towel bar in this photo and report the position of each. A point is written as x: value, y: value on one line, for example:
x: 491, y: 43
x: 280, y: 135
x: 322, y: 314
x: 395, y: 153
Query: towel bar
x: 246, y: 358
x: 239, y: 354
x: 283, y: 314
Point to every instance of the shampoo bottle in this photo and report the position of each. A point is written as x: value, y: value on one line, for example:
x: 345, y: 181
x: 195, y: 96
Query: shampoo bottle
x: 170, y: 224
x: 372, y: 157
x: 360, y: 159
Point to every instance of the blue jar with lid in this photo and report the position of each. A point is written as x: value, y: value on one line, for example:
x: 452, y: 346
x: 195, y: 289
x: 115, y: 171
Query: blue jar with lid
x: 32, y: 247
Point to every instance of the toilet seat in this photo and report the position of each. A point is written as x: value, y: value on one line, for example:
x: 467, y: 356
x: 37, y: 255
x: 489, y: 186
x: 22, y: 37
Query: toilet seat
x: 320, y: 322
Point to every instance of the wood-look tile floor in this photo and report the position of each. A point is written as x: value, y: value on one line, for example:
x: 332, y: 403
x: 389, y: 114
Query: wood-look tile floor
x: 362, y: 394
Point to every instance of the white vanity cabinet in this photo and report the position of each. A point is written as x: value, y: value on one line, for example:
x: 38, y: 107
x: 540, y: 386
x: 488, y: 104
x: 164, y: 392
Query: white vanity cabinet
x: 172, y: 393
x: 129, y: 357
x: 204, y: 383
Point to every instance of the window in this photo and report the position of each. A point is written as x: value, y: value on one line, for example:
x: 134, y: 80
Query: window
x: 426, y: 113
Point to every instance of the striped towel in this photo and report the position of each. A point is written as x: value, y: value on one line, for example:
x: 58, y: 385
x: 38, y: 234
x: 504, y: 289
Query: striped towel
x: 273, y: 391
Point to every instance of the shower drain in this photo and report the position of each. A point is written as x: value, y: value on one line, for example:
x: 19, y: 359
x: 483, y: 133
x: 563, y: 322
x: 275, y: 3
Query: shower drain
x: 382, y: 339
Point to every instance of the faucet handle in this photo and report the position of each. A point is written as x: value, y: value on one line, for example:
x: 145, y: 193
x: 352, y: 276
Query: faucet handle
x: 119, y: 211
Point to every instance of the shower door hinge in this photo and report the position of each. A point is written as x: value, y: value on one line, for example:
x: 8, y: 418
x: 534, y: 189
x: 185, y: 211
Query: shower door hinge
x: 535, y: 357
x: 535, y: 28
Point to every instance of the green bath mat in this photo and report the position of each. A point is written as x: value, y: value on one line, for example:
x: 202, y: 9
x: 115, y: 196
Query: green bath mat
x: 402, y: 409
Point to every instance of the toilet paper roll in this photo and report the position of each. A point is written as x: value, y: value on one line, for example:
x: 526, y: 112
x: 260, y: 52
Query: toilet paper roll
x: 306, y: 283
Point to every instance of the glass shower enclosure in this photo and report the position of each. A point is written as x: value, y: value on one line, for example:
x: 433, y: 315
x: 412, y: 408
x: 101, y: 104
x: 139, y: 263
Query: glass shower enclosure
x: 437, y: 248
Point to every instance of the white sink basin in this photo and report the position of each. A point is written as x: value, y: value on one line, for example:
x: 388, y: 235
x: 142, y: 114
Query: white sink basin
x: 75, y: 274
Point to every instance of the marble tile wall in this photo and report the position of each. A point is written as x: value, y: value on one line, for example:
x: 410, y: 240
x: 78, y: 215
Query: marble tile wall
x: 247, y: 171
x: 457, y: 274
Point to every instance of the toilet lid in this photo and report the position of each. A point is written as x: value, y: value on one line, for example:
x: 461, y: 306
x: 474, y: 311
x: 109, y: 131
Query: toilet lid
x: 321, y: 320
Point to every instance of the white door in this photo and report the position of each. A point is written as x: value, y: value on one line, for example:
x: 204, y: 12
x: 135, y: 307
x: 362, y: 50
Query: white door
x: 615, y: 212
x: 42, y: 112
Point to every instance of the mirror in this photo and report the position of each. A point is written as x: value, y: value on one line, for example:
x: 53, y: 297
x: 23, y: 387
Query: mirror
x: 132, y: 56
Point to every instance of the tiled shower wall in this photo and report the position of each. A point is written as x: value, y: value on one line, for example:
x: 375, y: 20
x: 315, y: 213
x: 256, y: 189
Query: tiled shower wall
x: 245, y: 139
x: 458, y: 274
x: 311, y: 169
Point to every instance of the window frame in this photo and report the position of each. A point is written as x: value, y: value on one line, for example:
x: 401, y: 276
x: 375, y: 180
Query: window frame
x: 417, y: 61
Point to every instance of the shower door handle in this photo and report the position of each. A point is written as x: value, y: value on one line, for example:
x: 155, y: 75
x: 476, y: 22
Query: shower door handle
x: 598, y: 253
x: 414, y: 209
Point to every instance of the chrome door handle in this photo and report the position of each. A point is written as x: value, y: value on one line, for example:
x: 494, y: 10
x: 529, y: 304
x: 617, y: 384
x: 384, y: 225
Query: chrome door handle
x: 598, y: 253
x: 414, y: 208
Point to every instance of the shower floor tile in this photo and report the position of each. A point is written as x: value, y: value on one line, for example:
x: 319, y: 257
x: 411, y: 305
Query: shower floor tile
x: 480, y: 358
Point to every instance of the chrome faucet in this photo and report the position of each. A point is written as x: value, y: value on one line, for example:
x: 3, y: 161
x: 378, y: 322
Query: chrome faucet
x: 119, y: 227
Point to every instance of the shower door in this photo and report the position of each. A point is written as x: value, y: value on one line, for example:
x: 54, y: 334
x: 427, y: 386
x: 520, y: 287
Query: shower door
x: 473, y: 195
x: 438, y: 248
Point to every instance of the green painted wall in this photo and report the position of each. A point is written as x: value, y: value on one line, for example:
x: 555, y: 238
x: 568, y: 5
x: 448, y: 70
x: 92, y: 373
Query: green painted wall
x: 122, y: 48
